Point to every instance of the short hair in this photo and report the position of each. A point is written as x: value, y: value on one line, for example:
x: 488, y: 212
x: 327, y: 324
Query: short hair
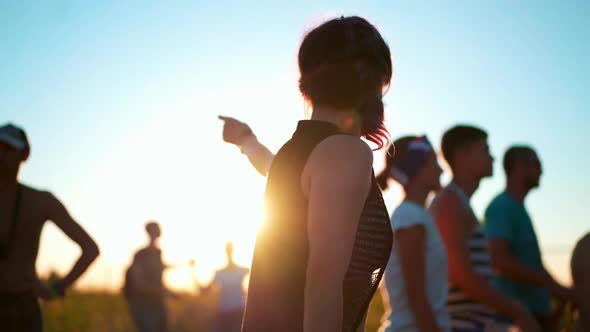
x: 457, y: 137
x: 151, y: 224
x: 516, y: 153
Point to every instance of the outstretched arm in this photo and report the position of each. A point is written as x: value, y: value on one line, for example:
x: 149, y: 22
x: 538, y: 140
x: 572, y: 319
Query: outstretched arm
x: 240, y: 134
x: 62, y: 219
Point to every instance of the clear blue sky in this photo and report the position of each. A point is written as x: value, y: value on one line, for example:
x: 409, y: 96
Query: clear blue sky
x: 120, y: 102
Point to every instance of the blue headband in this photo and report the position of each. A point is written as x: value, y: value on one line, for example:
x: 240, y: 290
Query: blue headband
x: 412, y: 160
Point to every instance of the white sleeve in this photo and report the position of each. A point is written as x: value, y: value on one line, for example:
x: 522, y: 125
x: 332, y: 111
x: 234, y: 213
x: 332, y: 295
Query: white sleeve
x: 259, y: 154
x: 404, y: 217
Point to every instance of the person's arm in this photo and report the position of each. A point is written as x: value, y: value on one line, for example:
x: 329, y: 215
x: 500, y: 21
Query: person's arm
x: 259, y: 155
x: 410, y: 244
x: 449, y: 216
x: 336, y: 180
x: 58, y: 214
x: 212, y: 285
x: 505, y: 264
x: 240, y: 134
x: 499, y: 225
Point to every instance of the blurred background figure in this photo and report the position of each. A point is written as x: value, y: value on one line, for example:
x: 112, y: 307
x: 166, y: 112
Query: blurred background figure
x: 473, y: 303
x: 580, y: 266
x: 228, y: 282
x: 144, y: 290
x: 419, y: 299
x: 514, y: 248
x: 23, y: 212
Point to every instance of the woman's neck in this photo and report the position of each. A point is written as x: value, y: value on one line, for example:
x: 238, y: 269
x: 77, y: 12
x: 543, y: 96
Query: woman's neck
x: 345, y: 119
x: 417, y: 195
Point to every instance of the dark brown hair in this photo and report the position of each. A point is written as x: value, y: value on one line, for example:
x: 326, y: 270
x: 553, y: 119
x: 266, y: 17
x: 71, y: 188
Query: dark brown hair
x: 345, y: 63
x: 457, y: 137
x: 514, y: 154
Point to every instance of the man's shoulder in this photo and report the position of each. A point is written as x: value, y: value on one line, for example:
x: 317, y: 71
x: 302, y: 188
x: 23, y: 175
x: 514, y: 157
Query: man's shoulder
x: 446, y: 199
x: 146, y: 251
x: 501, y: 201
x: 39, y: 197
x: 32, y: 191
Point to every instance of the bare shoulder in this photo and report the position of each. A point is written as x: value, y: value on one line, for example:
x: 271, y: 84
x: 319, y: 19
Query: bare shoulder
x: 450, y: 196
x: 448, y: 210
x: 339, y: 148
x: 446, y: 200
x: 38, y: 196
x: 43, y: 200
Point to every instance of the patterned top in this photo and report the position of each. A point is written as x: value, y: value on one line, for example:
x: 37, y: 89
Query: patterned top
x: 466, y: 313
x: 277, y: 281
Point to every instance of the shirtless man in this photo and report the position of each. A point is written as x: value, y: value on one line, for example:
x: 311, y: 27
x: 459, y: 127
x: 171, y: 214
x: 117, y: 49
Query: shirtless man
x: 23, y: 212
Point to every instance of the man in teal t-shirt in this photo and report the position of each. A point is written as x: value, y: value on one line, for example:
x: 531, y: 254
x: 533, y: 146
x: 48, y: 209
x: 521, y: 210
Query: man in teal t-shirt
x: 514, y: 248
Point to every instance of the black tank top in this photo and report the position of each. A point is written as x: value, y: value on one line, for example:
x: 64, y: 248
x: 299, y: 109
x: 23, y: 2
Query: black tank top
x: 277, y: 280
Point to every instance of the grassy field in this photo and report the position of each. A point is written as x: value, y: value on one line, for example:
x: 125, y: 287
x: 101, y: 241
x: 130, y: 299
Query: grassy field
x: 99, y: 312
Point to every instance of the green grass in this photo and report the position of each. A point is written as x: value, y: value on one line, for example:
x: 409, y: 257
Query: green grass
x: 99, y: 312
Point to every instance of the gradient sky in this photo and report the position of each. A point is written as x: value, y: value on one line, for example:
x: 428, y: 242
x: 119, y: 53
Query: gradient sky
x: 120, y: 102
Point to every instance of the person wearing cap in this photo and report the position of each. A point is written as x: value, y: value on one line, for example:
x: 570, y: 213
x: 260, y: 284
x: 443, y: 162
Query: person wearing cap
x: 514, y: 248
x: 23, y: 212
x: 418, y: 298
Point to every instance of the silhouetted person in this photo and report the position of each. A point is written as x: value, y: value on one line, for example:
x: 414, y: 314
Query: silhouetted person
x: 229, y: 282
x: 23, y: 212
x: 473, y: 303
x: 326, y: 238
x: 580, y: 266
x: 416, y: 274
x: 144, y: 289
x: 514, y: 248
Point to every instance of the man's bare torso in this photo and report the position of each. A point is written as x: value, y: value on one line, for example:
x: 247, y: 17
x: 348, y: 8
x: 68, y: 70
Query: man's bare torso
x: 17, y: 265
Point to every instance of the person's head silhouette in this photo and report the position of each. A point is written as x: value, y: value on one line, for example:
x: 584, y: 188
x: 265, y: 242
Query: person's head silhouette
x: 152, y: 228
x: 14, y: 149
x: 523, y: 166
x: 229, y: 252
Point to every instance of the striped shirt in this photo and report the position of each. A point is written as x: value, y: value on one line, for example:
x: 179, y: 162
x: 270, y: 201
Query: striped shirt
x: 466, y: 313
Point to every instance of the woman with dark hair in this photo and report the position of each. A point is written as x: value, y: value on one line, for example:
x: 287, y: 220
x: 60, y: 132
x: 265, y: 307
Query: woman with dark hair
x: 326, y: 239
x: 416, y: 276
